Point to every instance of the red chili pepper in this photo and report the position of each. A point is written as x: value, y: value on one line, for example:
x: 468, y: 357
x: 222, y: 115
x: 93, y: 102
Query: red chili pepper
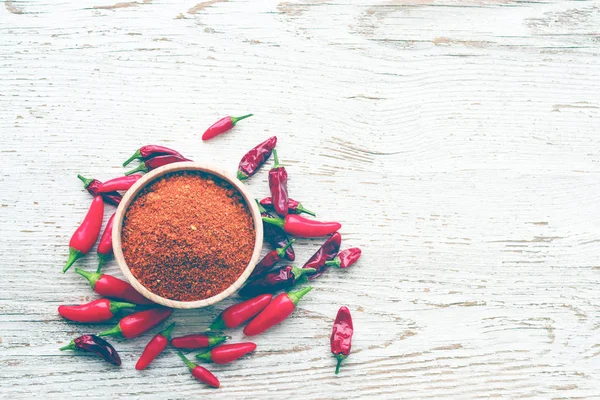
x: 341, y: 336
x: 109, y: 286
x: 92, y: 186
x: 279, y: 279
x: 96, y: 345
x: 200, y: 373
x: 345, y: 258
x: 85, y: 236
x: 96, y: 311
x: 278, y: 185
x: 120, y: 183
x: 326, y: 252
x: 149, y: 151
x: 156, y: 162
x: 275, y: 235
x: 276, y: 312
x: 222, y: 126
x: 226, y: 353
x: 137, y: 323
x: 197, y: 341
x: 294, y: 206
x: 270, y: 260
x: 237, y: 314
x: 154, y: 347
x: 105, y: 246
x: 255, y: 158
x: 297, y: 225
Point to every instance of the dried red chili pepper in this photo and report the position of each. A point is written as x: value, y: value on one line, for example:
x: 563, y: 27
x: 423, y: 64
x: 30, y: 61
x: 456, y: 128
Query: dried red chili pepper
x: 105, y: 246
x: 96, y: 311
x: 278, y: 185
x: 226, y: 353
x: 341, y: 336
x: 270, y: 260
x: 326, y: 252
x: 85, y: 236
x: 92, y: 186
x: 149, y: 151
x: 276, y: 312
x: 275, y: 235
x: 197, y: 341
x: 120, y: 183
x: 345, y: 258
x: 137, y: 323
x: 297, y: 225
x: 294, y: 206
x: 109, y: 286
x: 222, y: 126
x: 255, y: 158
x: 200, y: 373
x: 156, y: 162
x: 154, y: 347
x: 237, y: 314
x: 278, y: 279
x: 96, y: 345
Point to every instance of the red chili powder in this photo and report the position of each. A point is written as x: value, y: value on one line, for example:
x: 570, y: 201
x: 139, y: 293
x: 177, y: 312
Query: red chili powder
x: 188, y: 236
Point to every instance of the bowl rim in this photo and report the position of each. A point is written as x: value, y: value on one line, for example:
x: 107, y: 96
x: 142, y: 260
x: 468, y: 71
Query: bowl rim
x: 158, y: 173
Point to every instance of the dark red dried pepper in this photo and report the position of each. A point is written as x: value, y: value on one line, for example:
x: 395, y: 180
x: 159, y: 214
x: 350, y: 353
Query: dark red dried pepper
x: 138, y: 323
x: 149, y: 151
x: 294, y: 206
x: 237, y: 314
x: 200, y: 373
x: 197, y: 341
x: 96, y: 345
x: 120, y: 183
x: 278, y: 185
x: 86, y: 235
x: 326, y: 252
x: 255, y: 158
x: 92, y: 186
x: 270, y: 260
x: 345, y: 258
x: 109, y: 286
x: 96, y: 311
x: 341, y: 336
x: 222, y: 126
x: 275, y: 235
x: 297, y: 225
x: 154, y: 347
x: 278, y: 279
x: 226, y: 353
x: 156, y: 162
x: 105, y: 248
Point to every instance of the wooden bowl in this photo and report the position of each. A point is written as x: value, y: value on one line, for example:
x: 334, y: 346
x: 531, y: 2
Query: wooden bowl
x: 151, y: 177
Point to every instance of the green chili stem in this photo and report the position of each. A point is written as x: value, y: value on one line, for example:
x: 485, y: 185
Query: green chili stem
x: 340, y: 358
x: 189, y: 364
x: 333, y: 263
x: 140, y: 168
x: 114, y: 331
x: 167, y: 332
x: 235, y: 120
x: 280, y: 222
x: 135, y: 156
x: 205, y: 356
x: 116, y: 306
x: 70, y: 346
x: 276, y: 165
x: 281, y: 250
x: 241, y: 176
x: 74, y: 255
x: 298, y: 294
x: 86, y: 181
x: 90, y: 276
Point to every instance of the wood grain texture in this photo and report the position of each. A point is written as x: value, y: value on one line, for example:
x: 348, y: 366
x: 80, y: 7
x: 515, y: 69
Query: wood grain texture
x: 456, y: 140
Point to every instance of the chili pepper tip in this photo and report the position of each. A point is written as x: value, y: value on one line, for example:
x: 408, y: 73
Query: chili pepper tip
x: 74, y: 255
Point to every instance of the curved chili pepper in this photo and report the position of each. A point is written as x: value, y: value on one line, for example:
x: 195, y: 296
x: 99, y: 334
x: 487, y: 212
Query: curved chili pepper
x: 120, y: 183
x: 149, y: 151
x: 326, y: 252
x: 255, y: 158
x: 278, y: 279
x: 85, y: 236
x: 154, y: 347
x: 222, y: 126
x: 345, y: 258
x: 294, y: 206
x: 341, y: 336
x: 197, y: 341
x: 156, y: 162
x: 96, y: 311
x: 237, y: 314
x: 278, y: 185
x: 226, y: 353
x: 200, y: 373
x: 109, y: 286
x: 96, y: 345
x: 275, y: 235
x: 276, y: 312
x: 297, y: 225
x: 270, y: 260
x: 105, y: 246
x: 137, y: 323
x: 92, y: 186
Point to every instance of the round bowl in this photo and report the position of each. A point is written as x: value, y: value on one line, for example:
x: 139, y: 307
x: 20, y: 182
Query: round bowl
x: 151, y: 177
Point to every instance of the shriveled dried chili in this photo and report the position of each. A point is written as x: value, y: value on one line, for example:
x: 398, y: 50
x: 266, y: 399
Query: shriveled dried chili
x: 96, y: 345
x: 255, y: 158
x: 294, y: 206
x: 149, y: 151
x: 279, y: 279
x: 270, y: 260
x: 275, y: 235
x: 341, y: 336
x: 297, y: 225
x: 85, y: 236
x: 326, y: 252
x: 92, y: 186
x: 237, y: 314
x: 96, y: 311
x: 278, y: 185
x: 222, y: 126
x: 345, y: 258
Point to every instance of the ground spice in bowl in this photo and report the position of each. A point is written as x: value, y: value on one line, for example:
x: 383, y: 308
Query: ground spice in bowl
x: 187, y: 236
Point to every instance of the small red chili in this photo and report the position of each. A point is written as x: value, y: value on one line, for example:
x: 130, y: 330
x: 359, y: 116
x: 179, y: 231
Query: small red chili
x: 297, y: 225
x: 154, y: 347
x: 345, y: 258
x: 226, y: 353
x: 237, y: 314
x: 294, y: 206
x: 222, y: 126
x: 156, y: 162
x: 92, y: 186
x: 149, y: 151
x: 275, y: 235
x: 270, y: 260
x: 200, y: 373
x: 85, y: 236
x: 278, y: 185
x: 255, y: 158
x: 105, y: 246
x: 197, y: 341
x: 96, y: 345
x: 96, y: 311
x: 279, y: 279
x: 326, y: 252
x: 276, y: 312
x: 120, y: 183
x: 341, y: 336
x: 137, y: 323
x: 109, y: 286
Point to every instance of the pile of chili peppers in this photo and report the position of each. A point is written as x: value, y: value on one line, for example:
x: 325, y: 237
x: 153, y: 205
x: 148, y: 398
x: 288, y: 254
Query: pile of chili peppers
x: 260, y: 312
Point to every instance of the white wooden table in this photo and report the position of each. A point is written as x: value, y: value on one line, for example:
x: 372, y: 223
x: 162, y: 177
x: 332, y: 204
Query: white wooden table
x: 458, y: 142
